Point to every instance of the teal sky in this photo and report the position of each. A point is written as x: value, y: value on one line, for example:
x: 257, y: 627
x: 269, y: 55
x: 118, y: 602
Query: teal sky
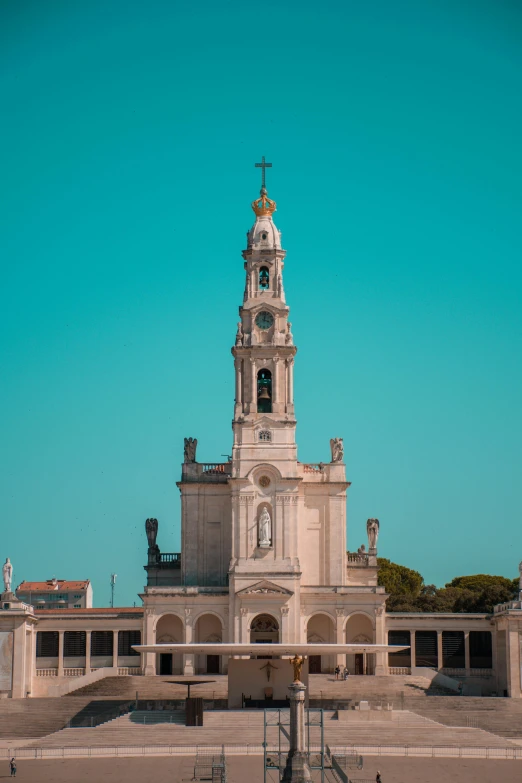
x: 129, y: 133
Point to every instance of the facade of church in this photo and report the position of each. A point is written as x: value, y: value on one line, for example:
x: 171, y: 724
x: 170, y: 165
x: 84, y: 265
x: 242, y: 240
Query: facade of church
x: 264, y: 555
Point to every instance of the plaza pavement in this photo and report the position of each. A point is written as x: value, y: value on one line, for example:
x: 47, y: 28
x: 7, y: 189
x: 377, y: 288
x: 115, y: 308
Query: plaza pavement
x: 241, y: 769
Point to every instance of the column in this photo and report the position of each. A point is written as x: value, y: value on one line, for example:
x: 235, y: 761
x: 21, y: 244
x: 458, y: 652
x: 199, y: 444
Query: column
x: 148, y: 661
x: 253, y: 396
x: 284, y: 625
x: 413, y: 649
x: 60, y: 653
x: 297, y: 769
x: 440, y: 658
x: 115, y: 649
x: 290, y: 385
x: 276, y: 397
x: 381, y: 658
x: 239, y: 366
x: 467, y: 664
x: 188, y: 660
x: 244, y: 625
x: 340, y: 658
x: 88, y: 635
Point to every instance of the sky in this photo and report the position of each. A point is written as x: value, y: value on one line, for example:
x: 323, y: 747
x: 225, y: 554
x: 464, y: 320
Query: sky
x: 128, y: 140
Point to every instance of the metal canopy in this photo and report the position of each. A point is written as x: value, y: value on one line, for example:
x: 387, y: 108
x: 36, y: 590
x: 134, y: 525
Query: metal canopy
x: 224, y: 648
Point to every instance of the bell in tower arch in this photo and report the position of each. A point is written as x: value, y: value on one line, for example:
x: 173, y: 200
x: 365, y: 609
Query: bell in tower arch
x: 264, y: 391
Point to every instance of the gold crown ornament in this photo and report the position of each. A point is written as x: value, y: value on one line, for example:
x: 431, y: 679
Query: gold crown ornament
x: 263, y: 205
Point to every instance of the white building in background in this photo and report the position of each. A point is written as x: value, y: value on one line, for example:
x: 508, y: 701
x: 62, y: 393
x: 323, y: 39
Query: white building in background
x: 263, y: 553
x: 56, y: 594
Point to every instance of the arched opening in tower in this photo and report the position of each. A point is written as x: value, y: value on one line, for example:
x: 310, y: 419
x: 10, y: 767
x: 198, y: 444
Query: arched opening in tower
x: 264, y: 391
x: 264, y: 278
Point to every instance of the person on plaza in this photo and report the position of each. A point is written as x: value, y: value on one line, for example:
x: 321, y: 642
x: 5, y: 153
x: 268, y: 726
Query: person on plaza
x: 345, y: 673
x: 12, y: 765
x: 337, y: 672
x: 378, y: 778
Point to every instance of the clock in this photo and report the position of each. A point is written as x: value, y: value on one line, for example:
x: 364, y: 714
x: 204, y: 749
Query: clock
x: 264, y: 319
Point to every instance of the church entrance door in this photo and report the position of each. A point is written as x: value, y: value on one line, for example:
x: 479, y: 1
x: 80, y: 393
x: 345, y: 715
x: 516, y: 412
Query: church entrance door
x: 165, y: 663
x: 359, y: 663
x: 212, y: 664
x: 314, y: 664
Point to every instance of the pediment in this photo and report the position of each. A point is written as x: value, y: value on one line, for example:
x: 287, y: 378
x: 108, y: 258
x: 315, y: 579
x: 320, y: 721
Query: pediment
x: 265, y: 588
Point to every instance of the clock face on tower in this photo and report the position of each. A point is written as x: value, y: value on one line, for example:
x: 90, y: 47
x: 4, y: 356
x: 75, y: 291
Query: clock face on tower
x: 264, y: 319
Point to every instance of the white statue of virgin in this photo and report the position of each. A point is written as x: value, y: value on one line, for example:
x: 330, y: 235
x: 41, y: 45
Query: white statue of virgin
x: 265, y: 528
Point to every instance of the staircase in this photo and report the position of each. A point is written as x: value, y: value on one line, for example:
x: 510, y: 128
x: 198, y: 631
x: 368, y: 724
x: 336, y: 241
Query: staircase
x: 37, y: 717
x: 215, y: 686
x: 245, y: 727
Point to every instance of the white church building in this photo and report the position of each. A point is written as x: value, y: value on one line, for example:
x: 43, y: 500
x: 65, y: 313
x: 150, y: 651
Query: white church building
x: 263, y: 550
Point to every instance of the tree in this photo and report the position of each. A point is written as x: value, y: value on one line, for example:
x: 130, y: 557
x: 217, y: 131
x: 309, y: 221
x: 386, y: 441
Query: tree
x: 477, y: 593
x: 399, y: 581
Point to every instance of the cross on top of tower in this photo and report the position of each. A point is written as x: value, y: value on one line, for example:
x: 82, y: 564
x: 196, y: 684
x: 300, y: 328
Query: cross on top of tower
x: 263, y: 166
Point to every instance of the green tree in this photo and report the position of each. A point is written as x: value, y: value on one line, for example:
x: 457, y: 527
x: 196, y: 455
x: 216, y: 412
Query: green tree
x: 399, y: 580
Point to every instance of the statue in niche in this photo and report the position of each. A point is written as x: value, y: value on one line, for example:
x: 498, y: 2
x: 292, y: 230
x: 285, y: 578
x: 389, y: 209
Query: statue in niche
x: 265, y: 528
x: 189, y: 450
x: 372, y: 529
x: 337, y: 449
x: 239, y: 334
x: 7, y: 573
x: 297, y: 662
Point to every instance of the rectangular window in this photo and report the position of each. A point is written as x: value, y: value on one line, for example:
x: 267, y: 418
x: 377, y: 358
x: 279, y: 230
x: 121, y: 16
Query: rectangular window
x: 453, y: 649
x: 76, y: 597
x: 480, y: 650
x: 125, y: 641
x: 74, y: 644
x: 77, y: 606
x: 401, y: 657
x: 47, y: 644
x: 426, y: 649
x: 101, y: 643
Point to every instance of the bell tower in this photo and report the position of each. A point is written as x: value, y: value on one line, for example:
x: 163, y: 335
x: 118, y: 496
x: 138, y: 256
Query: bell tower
x: 264, y: 350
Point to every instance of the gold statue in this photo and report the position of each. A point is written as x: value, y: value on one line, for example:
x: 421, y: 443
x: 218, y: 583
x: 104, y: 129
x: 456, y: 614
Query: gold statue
x: 297, y: 662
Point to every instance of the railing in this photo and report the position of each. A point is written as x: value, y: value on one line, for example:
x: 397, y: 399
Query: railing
x: 73, y: 672
x: 312, y: 467
x: 419, y: 751
x: 361, y: 558
x: 205, y: 472
x: 47, y: 672
x: 129, y: 671
x: 509, y: 605
x: 452, y: 672
x: 170, y: 557
x: 399, y: 670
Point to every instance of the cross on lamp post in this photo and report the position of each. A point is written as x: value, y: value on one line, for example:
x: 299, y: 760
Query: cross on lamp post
x: 263, y: 166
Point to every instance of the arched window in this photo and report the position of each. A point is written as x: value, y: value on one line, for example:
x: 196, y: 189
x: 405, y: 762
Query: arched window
x: 265, y: 435
x: 264, y: 278
x: 264, y: 391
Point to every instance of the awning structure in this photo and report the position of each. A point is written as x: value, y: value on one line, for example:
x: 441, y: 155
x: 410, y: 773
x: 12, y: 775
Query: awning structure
x: 283, y: 650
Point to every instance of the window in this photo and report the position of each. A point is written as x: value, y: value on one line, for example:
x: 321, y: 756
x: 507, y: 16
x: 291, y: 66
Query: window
x: 265, y: 435
x: 264, y: 278
x: 426, y: 649
x: 263, y: 235
x: 453, y: 649
x: 47, y: 644
x: 399, y: 657
x: 77, y: 596
x: 264, y: 391
x: 125, y: 641
x: 480, y: 650
x: 101, y: 643
x: 73, y: 644
x: 77, y: 606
